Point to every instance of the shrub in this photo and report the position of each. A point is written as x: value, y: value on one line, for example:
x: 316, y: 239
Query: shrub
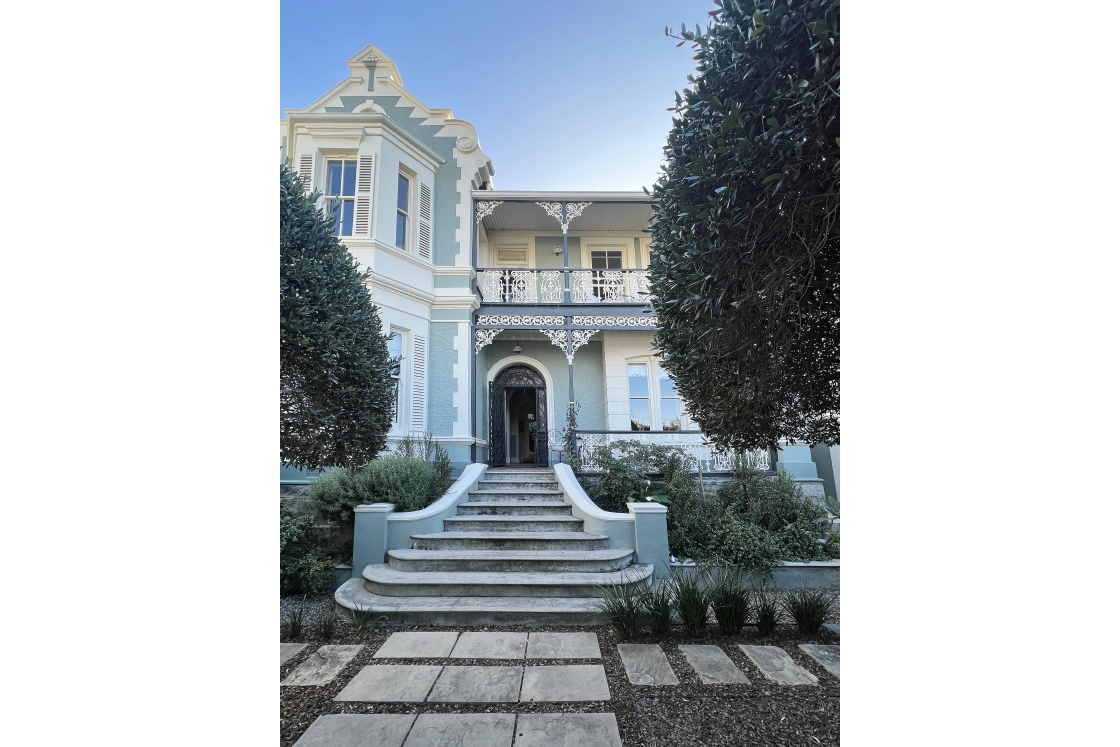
x: 627, y: 466
x: 414, y: 477
x: 622, y: 604
x: 691, y: 600
x: 766, y: 613
x: 809, y: 609
x: 295, y: 619
x: 305, y: 563
x: 334, y: 496
x: 832, y: 545
x: 730, y: 597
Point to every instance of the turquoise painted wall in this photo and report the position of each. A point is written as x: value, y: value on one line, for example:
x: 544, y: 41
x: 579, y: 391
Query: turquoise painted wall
x: 547, y: 259
x: 588, y: 373
x: 452, y: 281
x: 446, y: 197
x: 442, y: 412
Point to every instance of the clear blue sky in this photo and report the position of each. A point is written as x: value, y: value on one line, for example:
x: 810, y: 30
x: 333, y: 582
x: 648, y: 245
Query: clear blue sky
x: 567, y: 95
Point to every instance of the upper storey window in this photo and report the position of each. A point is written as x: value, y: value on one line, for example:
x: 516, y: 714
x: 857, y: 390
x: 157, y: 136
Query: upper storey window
x: 342, y: 177
x: 606, y: 260
x: 404, y: 187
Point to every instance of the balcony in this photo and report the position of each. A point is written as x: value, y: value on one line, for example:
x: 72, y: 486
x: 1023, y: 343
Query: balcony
x: 547, y: 286
x: 698, y: 453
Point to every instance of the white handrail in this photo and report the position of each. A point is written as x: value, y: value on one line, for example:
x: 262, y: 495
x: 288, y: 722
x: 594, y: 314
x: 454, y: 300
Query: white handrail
x: 574, y: 491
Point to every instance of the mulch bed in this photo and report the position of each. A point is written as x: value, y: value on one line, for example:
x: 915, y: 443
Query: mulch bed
x: 689, y: 714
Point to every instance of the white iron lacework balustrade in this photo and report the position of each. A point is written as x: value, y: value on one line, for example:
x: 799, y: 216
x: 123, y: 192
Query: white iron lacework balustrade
x: 552, y: 290
x: 581, y: 288
x: 491, y: 286
x: 610, y: 286
x: 696, y: 450
x: 521, y: 289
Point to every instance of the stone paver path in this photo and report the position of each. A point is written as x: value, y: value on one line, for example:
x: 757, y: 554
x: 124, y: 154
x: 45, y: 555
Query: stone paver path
x: 563, y: 646
x: 357, y: 730
x: 646, y: 664
x: 567, y: 730
x: 827, y: 656
x: 777, y: 665
x: 406, y: 683
x: 477, y: 685
x: 565, y: 683
x: 417, y: 646
x: 490, y: 646
x: 288, y: 650
x: 713, y: 665
x: 461, y: 730
x: 322, y: 666
x: 834, y: 627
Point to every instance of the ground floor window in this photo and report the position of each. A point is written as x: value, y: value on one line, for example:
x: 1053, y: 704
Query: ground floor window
x: 654, y: 408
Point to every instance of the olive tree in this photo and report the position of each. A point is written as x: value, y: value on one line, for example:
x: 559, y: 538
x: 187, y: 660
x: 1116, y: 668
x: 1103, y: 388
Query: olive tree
x: 745, y: 272
x: 336, y: 395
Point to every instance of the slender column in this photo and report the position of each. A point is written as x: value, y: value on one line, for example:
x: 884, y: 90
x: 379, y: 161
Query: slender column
x: 567, y: 271
x: 475, y: 352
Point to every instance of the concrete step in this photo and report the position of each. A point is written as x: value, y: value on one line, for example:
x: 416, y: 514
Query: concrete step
x: 558, y: 561
x: 516, y: 495
x: 463, y: 611
x: 514, y: 508
x: 527, y: 485
x: 510, y: 541
x: 520, y: 474
x: 513, y: 524
x: 385, y: 581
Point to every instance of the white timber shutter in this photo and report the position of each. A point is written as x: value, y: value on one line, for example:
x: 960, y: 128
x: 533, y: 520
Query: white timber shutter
x: 425, y: 223
x: 419, y: 382
x: 364, y: 196
x: 306, y: 164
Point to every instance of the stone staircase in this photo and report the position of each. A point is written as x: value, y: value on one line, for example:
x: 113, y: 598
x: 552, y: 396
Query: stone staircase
x: 513, y: 554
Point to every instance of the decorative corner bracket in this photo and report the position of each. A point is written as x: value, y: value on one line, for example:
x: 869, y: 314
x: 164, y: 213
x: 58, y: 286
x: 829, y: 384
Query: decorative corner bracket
x: 483, y: 337
x: 556, y: 210
x: 484, y: 208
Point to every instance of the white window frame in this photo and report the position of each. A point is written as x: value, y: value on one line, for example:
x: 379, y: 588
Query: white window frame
x: 329, y: 200
x: 402, y: 378
x: 653, y: 382
x: 412, y: 179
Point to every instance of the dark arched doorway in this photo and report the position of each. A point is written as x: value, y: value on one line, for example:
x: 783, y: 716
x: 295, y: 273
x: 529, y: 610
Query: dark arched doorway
x: 518, y: 418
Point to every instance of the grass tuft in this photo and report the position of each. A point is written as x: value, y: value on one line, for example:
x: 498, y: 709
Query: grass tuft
x: 295, y: 619
x: 809, y: 609
x: 622, y: 604
x: 359, y: 618
x: 691, y: 600
x: 730, y: 597
x: 324, y: 625
x: 657, y: 603
x: 766, y: 613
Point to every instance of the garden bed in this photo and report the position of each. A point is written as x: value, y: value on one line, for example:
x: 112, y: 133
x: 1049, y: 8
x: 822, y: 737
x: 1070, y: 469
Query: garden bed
x: 818, y: 574
x: 761, y: 713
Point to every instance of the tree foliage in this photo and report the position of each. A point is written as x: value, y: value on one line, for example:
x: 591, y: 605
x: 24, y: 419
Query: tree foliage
x: 336, y: 394
x: 745, y: 273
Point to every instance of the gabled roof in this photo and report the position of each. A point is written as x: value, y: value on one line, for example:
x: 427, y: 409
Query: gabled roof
x: 371, y: 57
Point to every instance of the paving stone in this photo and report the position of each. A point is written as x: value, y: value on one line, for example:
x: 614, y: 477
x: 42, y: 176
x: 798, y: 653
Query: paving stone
x: 490, y: 646
x: 564, y: 683
x: 389, y: 683
x: 777, y: 665
x: 357, y: 730
x: 288, y: 650
x: 322, y: 666
x: 462, y: 730
x: 827, y: 656
x: 567, y: 730
x: 477, y: 685
x: 417, y: 646
x: 646, y: 664
x: 563, y: 646
x: 713, y: 666
x: 834, y: 627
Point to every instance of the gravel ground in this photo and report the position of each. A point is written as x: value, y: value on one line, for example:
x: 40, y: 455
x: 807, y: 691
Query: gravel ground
x: 690, y: 714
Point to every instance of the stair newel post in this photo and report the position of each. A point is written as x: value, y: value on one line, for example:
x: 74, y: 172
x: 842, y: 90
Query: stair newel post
x: 651, y: 537
x: 371, y: 535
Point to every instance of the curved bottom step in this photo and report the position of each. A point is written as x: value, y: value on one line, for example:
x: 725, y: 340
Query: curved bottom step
x: 470, y: 610
x: 384, y: 580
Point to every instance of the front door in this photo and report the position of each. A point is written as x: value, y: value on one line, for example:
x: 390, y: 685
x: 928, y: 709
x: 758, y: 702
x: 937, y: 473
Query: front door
x: 518, y: 418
